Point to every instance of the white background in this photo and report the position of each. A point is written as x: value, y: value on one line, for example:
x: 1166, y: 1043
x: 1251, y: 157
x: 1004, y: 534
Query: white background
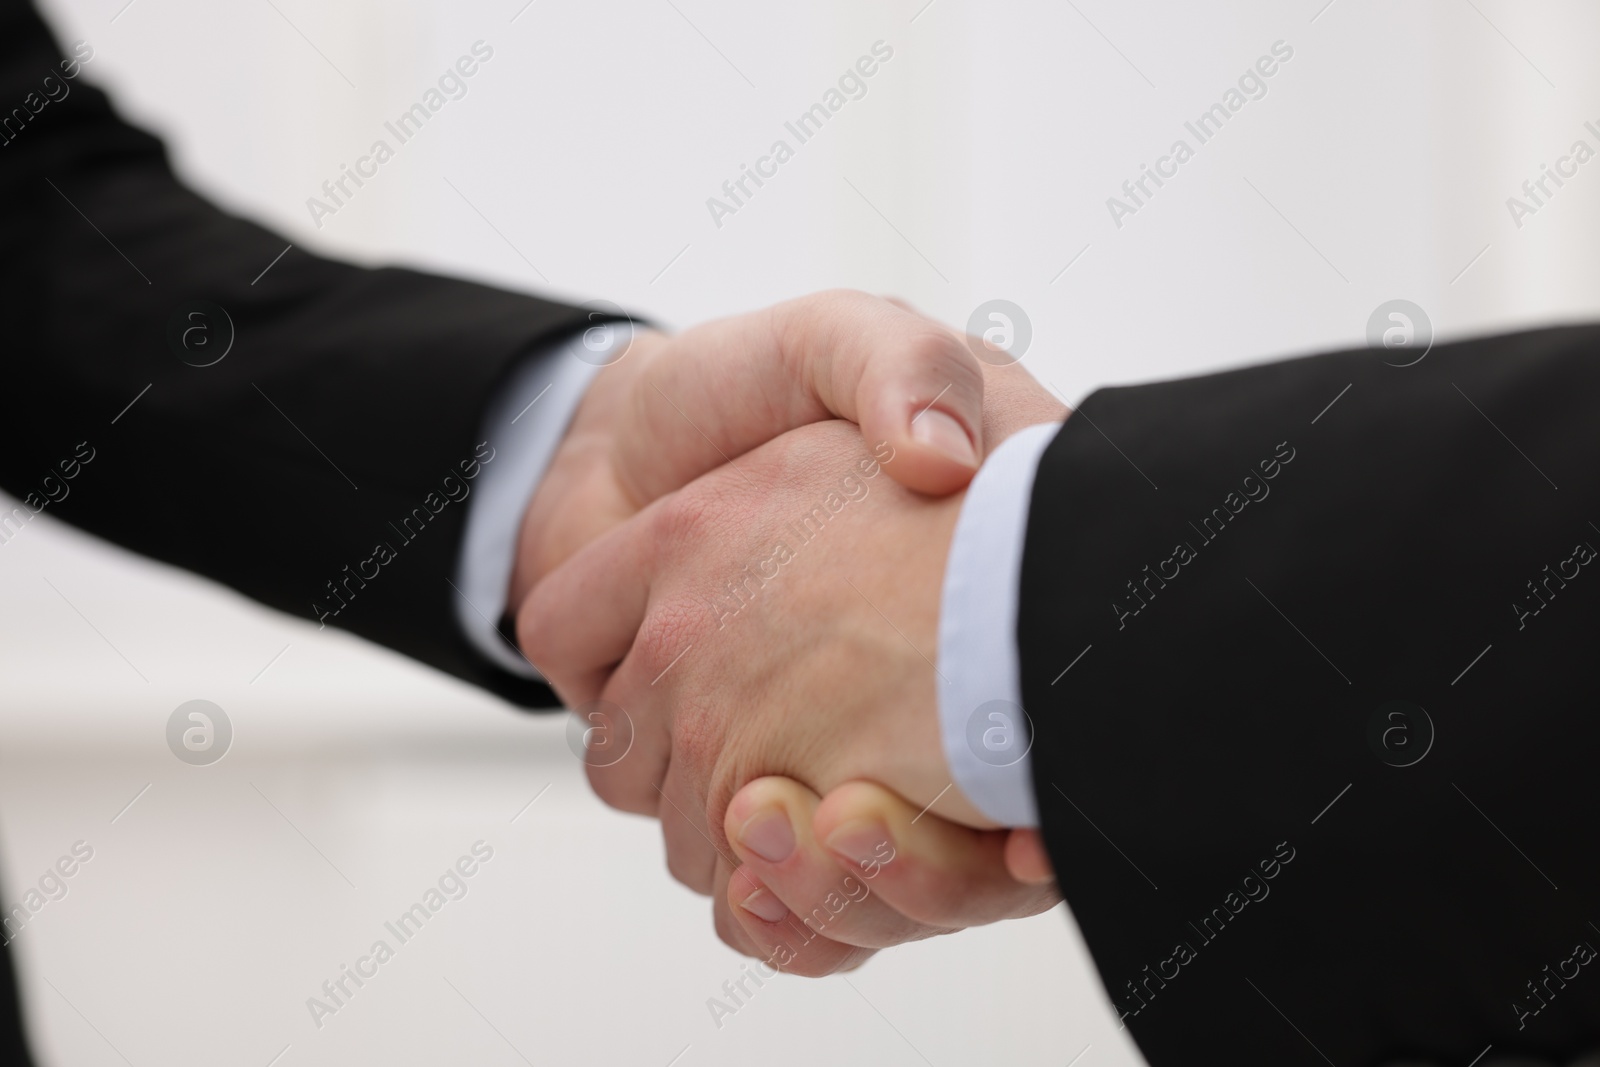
x: 977, y: 166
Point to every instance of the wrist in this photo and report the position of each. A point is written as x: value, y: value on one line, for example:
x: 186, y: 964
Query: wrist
x: 581, y: 495
x: 1013, y: 400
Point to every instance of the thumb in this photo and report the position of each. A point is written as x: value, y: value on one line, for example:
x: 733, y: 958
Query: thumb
x: 924, y: 397
x: 723, y: 388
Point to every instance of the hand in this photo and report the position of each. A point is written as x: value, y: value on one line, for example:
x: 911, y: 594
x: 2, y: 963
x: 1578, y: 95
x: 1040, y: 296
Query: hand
x: 799, y: 581
x: 822, y: 883
x: 755, y: 656
x: 673, y: 408
x: 685, y: 369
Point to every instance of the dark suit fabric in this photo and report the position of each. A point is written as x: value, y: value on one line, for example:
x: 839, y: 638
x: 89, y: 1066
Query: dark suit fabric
x: 347, y: 400
x: 1395, y: 594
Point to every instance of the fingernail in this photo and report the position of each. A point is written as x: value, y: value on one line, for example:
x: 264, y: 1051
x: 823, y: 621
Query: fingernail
x: 944, y: 435
x: 768, y: 834
x: 764, y: 905
x: 863, y: 842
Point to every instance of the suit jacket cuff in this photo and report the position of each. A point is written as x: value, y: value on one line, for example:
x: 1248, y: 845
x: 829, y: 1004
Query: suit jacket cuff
x: 526, y: 424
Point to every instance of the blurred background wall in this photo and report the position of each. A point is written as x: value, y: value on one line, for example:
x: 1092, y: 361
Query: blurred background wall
x: 977, y: 165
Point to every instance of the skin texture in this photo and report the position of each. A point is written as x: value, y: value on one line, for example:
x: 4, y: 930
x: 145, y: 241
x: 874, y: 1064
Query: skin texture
x: 857, y: 605
x: 674, y: 408
x: 665, y: 491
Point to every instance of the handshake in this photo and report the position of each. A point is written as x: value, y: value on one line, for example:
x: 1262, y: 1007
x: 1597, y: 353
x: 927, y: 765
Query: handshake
x: 745, y: 615
x: 800, y: 571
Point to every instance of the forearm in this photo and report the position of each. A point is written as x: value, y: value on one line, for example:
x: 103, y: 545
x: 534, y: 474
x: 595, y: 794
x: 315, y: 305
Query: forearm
x: 322, y: 465
x: 1252, y: 573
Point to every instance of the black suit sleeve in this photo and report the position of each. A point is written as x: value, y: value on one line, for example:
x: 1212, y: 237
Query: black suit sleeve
x: 323, y: 462
x: 1322, y: 788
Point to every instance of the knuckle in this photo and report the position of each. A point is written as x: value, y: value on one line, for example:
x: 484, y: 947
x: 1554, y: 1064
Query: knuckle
x: 702, y: 732
x: 533, y: 629
x: 666, y: 634
x: 608, y: 786
x: 681, y: 520
x: 539, y: 639
x: 945, y: 353
x: 696, y: 751
x: 619, y: 787
x: 689, y: 861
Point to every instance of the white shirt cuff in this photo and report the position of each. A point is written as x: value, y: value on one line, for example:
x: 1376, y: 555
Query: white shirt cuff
x: 524, y: 425
x: 986, y: 733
